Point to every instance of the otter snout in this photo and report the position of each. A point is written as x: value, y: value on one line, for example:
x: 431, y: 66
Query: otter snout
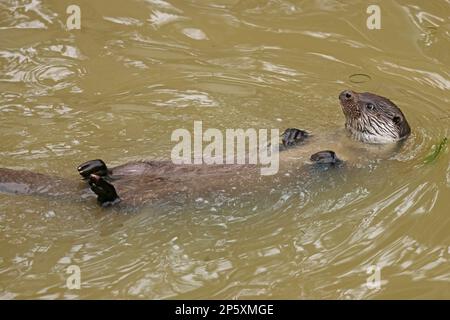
x: 348, y: 100
x: 346, y: 95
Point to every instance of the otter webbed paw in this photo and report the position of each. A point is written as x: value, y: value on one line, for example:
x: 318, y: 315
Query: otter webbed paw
x: 292, y: 136
x: 326, y: 157
x: 97, y: 167
x: 105, y: 191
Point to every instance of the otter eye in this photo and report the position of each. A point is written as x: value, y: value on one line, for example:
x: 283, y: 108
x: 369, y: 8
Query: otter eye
x: 370, y: 106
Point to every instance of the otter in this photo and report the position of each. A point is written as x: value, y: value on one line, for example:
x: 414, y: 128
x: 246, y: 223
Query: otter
x: 369, y: 118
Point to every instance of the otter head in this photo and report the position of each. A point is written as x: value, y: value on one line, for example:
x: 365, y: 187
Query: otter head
x: 373, y: 119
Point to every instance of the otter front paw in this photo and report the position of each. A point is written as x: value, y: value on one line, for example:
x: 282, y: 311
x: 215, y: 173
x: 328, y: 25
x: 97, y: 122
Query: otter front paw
x: 292, y: 136
x: 105, y: 191
x: 97, y: 167
x: 325, y: 157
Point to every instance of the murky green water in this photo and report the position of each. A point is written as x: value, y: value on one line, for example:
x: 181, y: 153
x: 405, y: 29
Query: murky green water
x: 137, y: 70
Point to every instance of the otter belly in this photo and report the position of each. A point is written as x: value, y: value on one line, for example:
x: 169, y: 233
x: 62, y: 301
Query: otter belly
x: 138, y: 184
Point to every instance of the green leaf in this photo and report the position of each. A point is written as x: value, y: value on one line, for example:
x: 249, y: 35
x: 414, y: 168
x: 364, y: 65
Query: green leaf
x: 437, y: 149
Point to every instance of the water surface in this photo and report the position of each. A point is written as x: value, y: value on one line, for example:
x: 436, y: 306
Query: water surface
x: 117, y: 88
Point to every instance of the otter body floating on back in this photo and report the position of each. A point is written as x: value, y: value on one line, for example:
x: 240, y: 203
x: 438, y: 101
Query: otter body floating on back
x: 369, y: 118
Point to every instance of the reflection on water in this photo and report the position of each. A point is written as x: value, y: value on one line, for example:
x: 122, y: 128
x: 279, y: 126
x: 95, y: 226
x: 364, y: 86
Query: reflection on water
x: 117, y: 88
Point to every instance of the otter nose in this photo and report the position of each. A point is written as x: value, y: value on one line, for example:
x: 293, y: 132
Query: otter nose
x: 346, y: 95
